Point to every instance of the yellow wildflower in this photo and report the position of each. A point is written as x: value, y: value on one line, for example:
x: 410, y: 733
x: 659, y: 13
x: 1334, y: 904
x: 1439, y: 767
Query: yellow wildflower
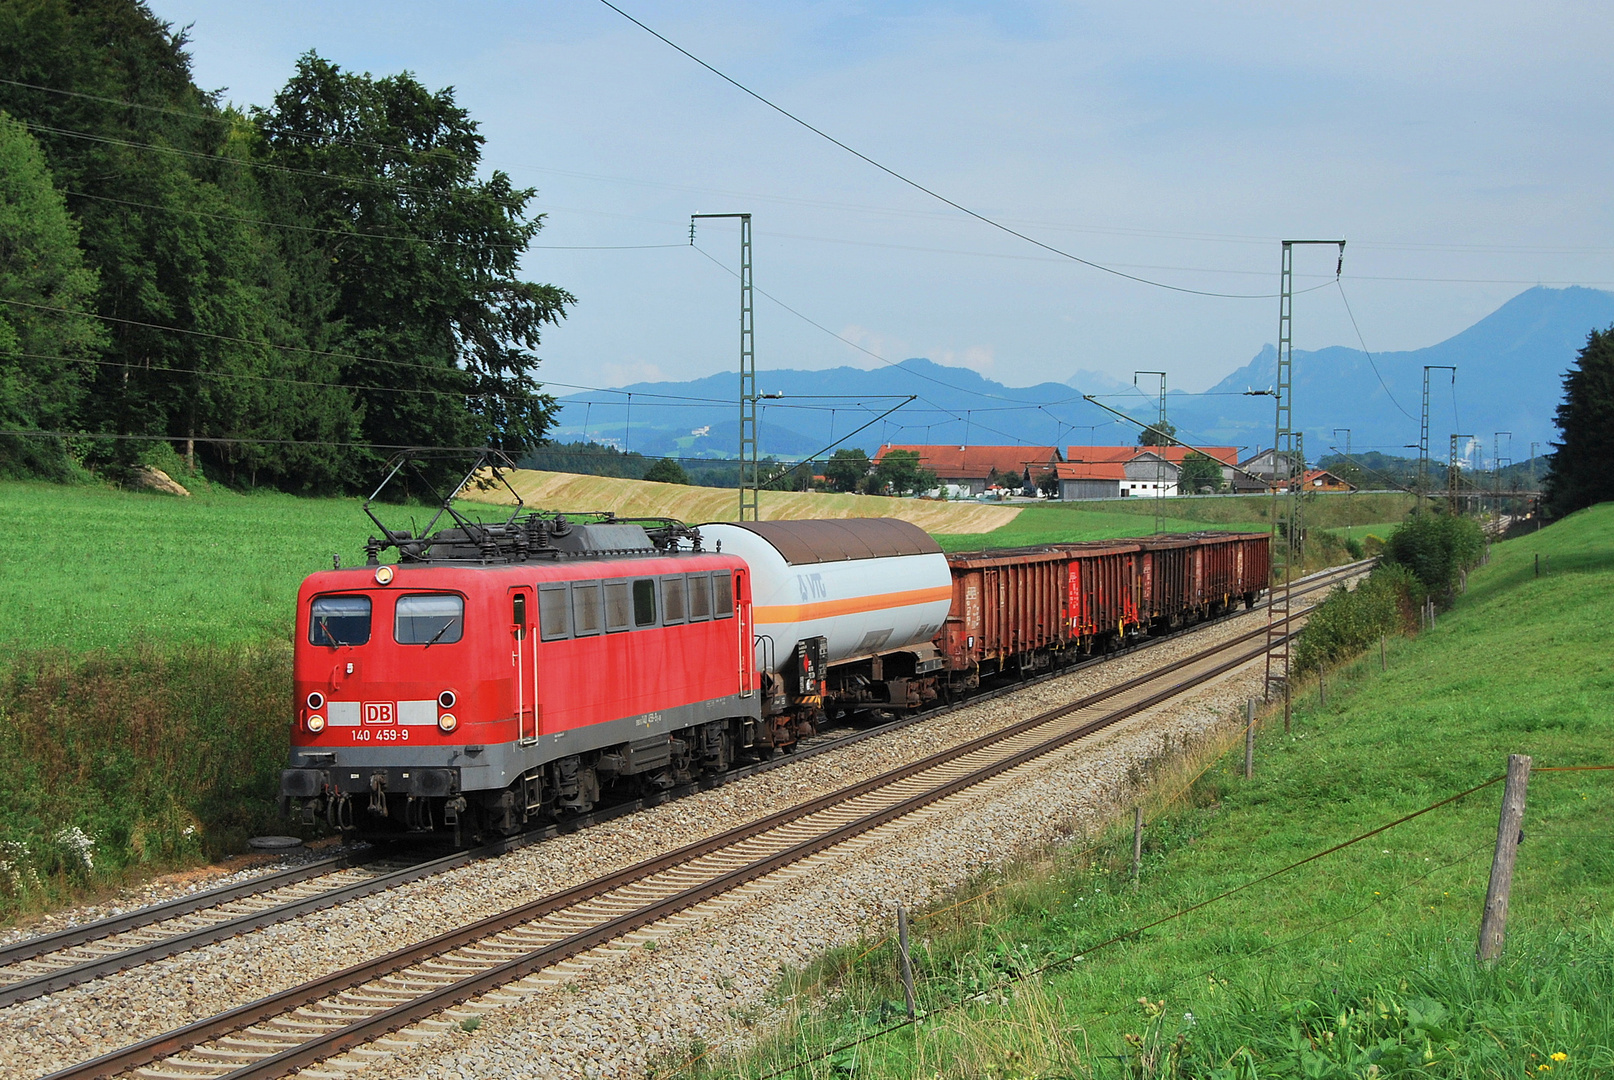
x: 1560, y: 1056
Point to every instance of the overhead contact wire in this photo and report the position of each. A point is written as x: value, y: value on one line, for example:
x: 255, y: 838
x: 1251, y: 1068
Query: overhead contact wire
x: 916, y: 185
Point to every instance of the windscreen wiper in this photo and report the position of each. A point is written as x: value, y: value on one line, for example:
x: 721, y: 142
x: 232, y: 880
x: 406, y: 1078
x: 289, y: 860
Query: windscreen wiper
x: 332, y: 638
x: 440, y: 633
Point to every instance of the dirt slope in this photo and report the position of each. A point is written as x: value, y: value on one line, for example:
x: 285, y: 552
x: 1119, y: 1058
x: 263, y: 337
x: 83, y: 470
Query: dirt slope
x: 638, y: 498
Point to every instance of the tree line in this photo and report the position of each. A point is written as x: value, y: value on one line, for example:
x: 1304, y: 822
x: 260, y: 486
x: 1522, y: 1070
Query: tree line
x: 272, y: 294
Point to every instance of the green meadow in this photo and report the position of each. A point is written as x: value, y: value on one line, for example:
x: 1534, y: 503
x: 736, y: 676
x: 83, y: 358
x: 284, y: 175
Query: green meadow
x: 1103, y: 519
x: 1359, y: 963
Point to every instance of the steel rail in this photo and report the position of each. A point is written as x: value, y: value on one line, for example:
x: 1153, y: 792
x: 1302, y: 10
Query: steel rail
x: 28, y: 948
x: 244, y: 1016
x: 38, y: 986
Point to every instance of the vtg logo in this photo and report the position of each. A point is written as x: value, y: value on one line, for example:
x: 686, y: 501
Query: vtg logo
x: 811, y: 587
x: 379, y: 712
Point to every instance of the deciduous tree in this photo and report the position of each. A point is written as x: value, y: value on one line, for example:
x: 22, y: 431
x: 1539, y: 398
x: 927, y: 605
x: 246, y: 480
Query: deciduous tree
x: 47, y: 345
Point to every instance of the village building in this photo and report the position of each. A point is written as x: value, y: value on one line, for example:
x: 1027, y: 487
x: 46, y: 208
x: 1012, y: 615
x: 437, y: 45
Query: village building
x: 1118, y: 472
x: 971, y: 468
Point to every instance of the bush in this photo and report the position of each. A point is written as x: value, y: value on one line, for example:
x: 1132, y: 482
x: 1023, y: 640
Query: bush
x: 667, y: 471
x: 1437, y: 548
x: 1350, y: 621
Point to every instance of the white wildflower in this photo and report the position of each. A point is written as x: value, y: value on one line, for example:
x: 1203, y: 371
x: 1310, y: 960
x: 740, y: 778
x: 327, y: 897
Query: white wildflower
x: 80, y: 843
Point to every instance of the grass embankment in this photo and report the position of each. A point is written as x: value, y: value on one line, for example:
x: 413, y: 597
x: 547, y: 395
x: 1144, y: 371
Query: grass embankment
x: 1358, y: 964
x: 143, y: 693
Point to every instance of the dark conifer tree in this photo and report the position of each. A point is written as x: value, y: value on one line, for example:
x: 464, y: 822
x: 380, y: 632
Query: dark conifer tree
x: 1583, y: 461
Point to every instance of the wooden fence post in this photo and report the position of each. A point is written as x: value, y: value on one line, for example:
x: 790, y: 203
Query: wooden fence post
x: 907, y: 963
x: 1137, y: 844
x: 1322, y: 688
x: 1249, y: 733
x: 1384, y: 663
x: 1509, y: 831
x: 1538, y: 564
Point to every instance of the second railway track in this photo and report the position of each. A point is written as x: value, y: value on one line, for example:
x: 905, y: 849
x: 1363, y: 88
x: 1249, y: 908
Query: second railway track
x: 327, y: 1016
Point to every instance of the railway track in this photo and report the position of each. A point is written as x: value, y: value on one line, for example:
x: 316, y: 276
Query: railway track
x: 519, y: 949
x: 42, y: 965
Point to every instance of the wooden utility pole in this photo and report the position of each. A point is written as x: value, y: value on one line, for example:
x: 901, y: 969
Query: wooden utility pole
x: 1137, y: 844
x: 1249, y: 735
x: 1509, y: 831
x: 907, y: 963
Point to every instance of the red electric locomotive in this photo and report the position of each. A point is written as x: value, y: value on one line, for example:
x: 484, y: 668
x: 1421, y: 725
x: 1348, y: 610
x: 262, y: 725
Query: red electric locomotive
x: 492, y: 688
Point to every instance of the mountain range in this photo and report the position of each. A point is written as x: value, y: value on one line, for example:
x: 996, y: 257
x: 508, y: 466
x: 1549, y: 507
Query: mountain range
x: 1509, y: 378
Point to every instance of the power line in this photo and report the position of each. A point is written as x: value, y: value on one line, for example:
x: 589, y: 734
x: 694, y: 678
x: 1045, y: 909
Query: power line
x: 867, y: 352
x: 227, y: 159
x: 365, y: 235
x: 225, y: 441
x: 202, y: 373
x: 1368, y: 354
x: 213, y: 119
x: 916, y: 185
x: 237, y: 340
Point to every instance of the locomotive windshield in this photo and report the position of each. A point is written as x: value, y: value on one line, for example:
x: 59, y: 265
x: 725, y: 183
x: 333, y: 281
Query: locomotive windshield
x: 429, y: 620
x: 339, y: 620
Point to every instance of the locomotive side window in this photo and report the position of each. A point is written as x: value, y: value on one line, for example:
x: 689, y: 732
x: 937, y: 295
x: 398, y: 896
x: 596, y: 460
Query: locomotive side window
x: 644, y: 602
x: 435, y: 619
x: 586, y: 608
x: 700, y: 597
x: 672, y: 600
x: 552, y: 621
x: 618, y: 606
x: 339, y: 620
x: 722, y: 595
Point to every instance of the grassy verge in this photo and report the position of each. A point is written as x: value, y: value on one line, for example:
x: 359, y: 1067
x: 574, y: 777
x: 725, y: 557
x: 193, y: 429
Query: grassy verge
x: 120, y: 763
x: 1357, y: 964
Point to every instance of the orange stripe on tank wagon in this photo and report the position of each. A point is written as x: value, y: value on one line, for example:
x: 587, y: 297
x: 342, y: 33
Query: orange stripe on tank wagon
x: 825, y: 609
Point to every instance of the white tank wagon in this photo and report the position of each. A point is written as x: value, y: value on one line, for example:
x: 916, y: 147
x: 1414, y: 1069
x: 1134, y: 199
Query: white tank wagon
x: 845, y: 612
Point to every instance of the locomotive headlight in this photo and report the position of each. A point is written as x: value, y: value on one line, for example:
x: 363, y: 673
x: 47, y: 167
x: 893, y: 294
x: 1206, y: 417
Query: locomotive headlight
x: 447, y: 722
x: 315, y: 723
x: 383, y: 575
x: 315, y: 699
x: 446, y: 699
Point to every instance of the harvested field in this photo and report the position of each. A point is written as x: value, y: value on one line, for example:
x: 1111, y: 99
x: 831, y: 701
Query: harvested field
x: 642, y: 498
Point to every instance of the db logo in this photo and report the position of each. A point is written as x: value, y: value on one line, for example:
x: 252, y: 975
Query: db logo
x: 379, y: 712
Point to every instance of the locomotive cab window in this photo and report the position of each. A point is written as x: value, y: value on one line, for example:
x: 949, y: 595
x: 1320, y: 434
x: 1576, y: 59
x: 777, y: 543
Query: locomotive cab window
x: 429, y: 619
x: 672, y: 600
x: 339, y: 620
x: 722, y: 595
x: 618, y: 606
x: 700, y: 597
x: 553, y: 623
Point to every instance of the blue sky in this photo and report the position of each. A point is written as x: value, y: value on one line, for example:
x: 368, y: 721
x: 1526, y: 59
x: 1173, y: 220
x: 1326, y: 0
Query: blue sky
x: 1462, y: 149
